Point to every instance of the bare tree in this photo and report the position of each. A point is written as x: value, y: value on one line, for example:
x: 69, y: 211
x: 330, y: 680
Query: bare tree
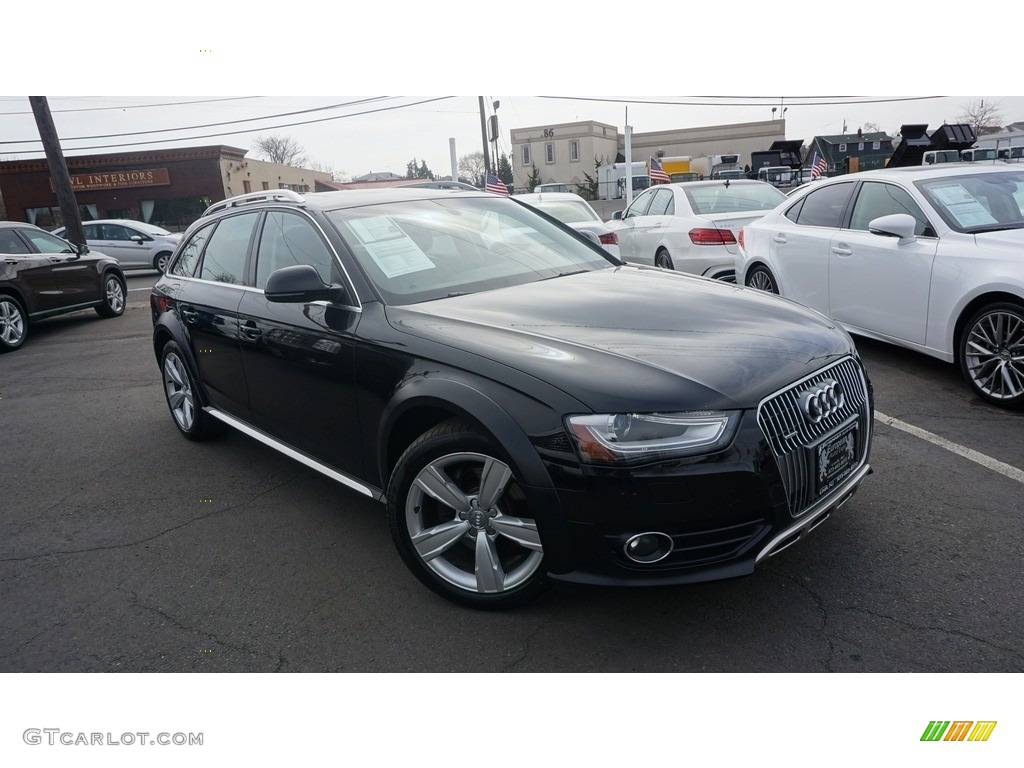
x: 283, y: 150
x: 982, y: 116
x: 322, y: 167
x: 472, y: 167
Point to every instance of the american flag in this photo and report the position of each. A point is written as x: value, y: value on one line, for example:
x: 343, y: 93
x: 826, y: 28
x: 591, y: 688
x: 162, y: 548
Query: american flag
x: 818, y: 166
x: 657, y: 174
x: 493, y: 184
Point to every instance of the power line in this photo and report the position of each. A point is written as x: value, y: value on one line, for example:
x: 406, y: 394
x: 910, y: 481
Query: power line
x: 135, y: 106
x: 254, y: 130
x: 208, y: 125
x: 766, y: 100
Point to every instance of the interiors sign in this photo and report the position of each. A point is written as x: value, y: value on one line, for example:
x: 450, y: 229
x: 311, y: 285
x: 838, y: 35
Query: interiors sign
x: 150, y: 177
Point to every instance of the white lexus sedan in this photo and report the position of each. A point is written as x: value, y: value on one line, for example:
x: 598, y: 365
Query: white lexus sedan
x: 691, y: 226
x: 928, y: 258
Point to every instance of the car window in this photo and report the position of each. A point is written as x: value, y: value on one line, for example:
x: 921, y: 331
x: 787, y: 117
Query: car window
x: 289, y: 239
x: 639, y: 206
x: 824, y: 207
x: 45, y: 242
x: 567, y: 211
x: 11, y: 243
x: 662, y: 205
x: 224, y: 257
x: 185, y: 264
x: 877, y: 199
x: 734, y: 198
x: 89, y: 231
x: 115, y: 232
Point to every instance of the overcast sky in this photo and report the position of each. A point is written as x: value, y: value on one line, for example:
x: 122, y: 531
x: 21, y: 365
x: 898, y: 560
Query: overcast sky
x: 596, y: 71
x: 384, y: 133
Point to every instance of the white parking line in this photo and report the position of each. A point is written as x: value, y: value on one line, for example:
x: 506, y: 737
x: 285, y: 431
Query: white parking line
x: 979, y: 458
x: 139, y: 289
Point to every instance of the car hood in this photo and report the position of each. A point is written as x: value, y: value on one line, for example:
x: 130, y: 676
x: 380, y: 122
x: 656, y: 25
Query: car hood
x: 638, y: 338
x: 1004, y: 239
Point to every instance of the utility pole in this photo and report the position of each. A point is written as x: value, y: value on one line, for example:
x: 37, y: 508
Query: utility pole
x: 483, y: 133
x: 58, y: 170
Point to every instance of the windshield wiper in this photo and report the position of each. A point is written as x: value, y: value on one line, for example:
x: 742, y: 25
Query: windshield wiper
x: 997, y: 228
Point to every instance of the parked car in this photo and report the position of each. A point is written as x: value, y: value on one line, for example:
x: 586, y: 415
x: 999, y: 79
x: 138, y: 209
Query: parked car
x: 691, y: 226
x: 573, y: 211
x: 42, y: 275
x: 135, y: 244
x: 527, y: 407
x: 551, y: 187
x: 925, y: 257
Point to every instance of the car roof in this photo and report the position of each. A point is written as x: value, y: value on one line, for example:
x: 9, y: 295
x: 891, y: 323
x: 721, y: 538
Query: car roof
x: 912, y: 172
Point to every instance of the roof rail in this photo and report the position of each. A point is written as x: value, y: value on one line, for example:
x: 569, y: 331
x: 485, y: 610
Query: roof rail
x: 252, y: 197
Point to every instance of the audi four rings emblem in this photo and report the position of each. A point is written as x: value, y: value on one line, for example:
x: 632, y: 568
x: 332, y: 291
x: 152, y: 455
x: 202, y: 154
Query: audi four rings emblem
x: 824, y: 400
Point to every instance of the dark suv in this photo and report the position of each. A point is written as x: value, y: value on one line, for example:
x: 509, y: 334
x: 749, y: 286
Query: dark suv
x: 525, y: 406
x: 42, y: 275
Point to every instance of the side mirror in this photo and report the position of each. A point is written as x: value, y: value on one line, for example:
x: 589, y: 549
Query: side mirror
x: 899, y: 225
x: 80, y: 248
x: 136, y: 238
x: 300, y: 284
x: 617, y: 216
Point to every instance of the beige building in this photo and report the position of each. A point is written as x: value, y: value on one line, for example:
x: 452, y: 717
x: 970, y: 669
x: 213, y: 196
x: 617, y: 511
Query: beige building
x: 564, y: 152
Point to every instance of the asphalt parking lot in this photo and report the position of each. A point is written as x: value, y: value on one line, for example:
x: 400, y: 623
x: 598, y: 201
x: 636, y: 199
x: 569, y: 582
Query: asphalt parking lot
x: 124, y: 547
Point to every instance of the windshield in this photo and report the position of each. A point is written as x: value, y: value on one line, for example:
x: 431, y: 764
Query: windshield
x: 733, y: 198
x: 983, y: 202
x: 429, y: 249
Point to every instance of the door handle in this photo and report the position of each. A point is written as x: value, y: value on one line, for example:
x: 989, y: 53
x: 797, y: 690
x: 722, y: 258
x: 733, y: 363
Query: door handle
x: 188, y: 315
x: 780, y: 239
x: 841, y: 250
x: 250, y: 331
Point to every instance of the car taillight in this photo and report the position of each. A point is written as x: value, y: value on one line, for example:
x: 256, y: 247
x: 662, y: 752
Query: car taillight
x: 159, y: 303
x: 702, y: 236
x: 609, y: 239
x: 739, y: 239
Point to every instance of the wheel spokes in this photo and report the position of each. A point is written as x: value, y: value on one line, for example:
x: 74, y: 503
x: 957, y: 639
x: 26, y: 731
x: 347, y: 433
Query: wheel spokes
x: 437, y: 485
x: 522, y: 532
x: 433, y: 541
x: 490, y: 576
x: 493, y: 479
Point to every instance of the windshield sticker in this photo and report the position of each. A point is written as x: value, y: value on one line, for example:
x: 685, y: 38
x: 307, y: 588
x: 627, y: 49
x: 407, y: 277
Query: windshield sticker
x: 391, y: 249
x: 963, y: 206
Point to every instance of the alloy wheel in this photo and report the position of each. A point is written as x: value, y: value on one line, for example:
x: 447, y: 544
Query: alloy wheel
x: 179, y: 391
x: 460, y: 516
x: 994, y: 354
x: 115, y: 295
x: 12, y: 323
x: 762, y: 281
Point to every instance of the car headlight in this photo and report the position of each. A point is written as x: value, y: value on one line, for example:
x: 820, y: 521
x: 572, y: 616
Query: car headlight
x: 630, y: 438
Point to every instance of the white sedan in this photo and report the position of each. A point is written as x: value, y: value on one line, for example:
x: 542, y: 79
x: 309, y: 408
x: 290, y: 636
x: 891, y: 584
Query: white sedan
x: 691, y: 226
x: 929, y: 258
x: 573, y: 211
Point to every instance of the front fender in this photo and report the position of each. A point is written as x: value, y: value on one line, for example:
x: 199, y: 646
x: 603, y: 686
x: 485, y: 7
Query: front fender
x: 451, y: 394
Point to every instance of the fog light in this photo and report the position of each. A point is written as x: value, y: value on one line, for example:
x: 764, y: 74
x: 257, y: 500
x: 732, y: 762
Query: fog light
x: 647, y: 548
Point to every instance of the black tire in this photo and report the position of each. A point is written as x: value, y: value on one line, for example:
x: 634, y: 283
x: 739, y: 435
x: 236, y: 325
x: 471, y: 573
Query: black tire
x: 115, y: 296
x: 452, y: 461
x: 13, y: 324
x: 762, y: 279
x: 182, y: 395
x: 663, y: 260
x: 160, y: 261
x: 991, y: 354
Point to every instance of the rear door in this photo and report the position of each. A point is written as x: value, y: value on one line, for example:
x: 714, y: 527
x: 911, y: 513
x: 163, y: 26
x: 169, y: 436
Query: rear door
x: 298, y: 357
x: 799, y: 243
